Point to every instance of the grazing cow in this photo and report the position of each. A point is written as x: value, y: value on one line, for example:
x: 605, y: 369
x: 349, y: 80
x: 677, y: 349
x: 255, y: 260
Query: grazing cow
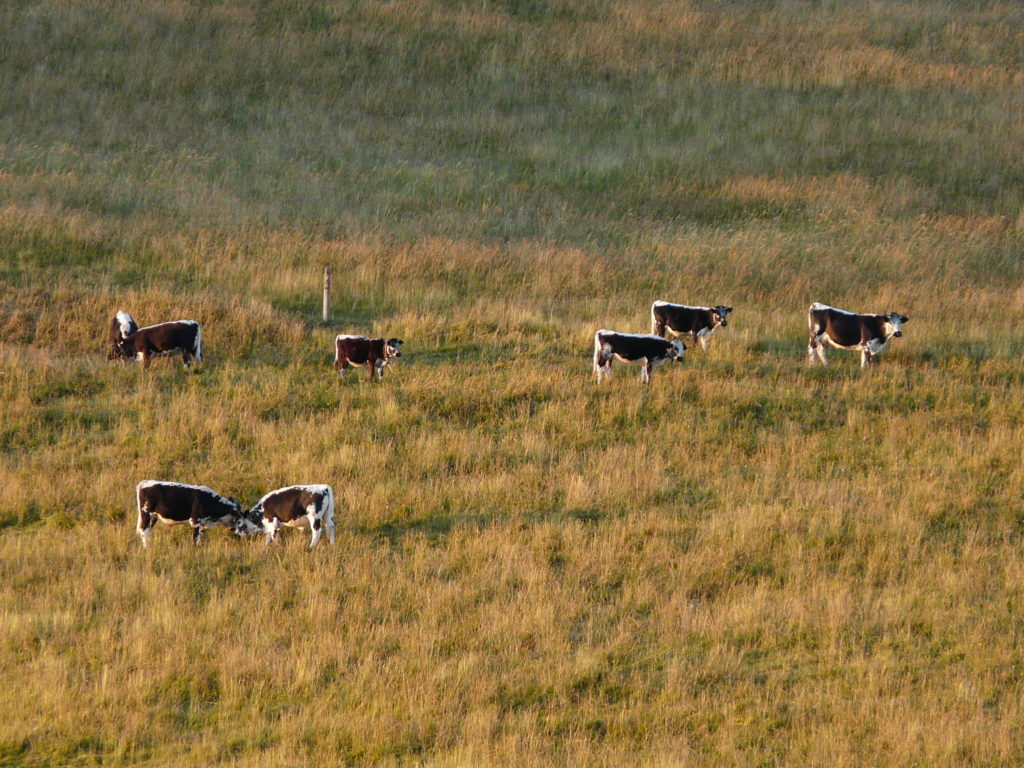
x: 643, y: 349
x: 121, y: 326
x: 847, y: 330
x: 360, y: 351
x: 297, y: 506
x: 681, y: 320
x: 174, y: 503
x: 165, y: 338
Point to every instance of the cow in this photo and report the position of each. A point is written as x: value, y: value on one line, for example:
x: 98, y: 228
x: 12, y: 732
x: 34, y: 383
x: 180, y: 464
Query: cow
x: 645, y: 350
x: 681, y: 320
x: 121, y: 326
x: 848, y: 330
x: 360, y: 351
x: 182, y: 336
x: 174, y: 503
x: 297, y: 506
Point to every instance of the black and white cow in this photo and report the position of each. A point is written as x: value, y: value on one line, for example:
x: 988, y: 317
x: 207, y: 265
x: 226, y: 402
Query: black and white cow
x: 175, y: 503
x: 645, y: 350
x: 121, y: 326
x: 847, y: 330
x: 297, y: 506
x: 682, y: 320
x: 360, y: 351
x: 182, y: 336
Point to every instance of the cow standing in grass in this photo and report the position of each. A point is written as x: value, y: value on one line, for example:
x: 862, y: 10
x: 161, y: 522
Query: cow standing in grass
x: 179, y: 503
x: 360, y: 351
x: 296, y: 506
x: 681, y: 320
x: 182, y: 336
x: 645, y: 350
x: 867, y: 334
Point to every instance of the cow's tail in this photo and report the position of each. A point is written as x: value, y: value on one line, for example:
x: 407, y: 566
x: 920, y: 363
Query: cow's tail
x: 329, y: 513
x: 197, y: 350
x: 812, y: 325
x: 143, y: 525
x: 336, y: 352
x: 600, y: 354
x: 657, y: 328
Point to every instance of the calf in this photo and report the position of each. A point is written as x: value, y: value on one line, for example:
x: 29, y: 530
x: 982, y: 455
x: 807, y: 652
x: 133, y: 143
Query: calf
x: 680, y: 320
x: 165, y: 338
x: 175, y: 503
x: 360, y: 351
x: 847, y: 330
x: 643, y: 349
x: 297, y: 506
x: 121, y: 326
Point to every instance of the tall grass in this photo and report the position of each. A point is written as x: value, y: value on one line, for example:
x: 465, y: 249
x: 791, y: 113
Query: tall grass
x: 750, y: 562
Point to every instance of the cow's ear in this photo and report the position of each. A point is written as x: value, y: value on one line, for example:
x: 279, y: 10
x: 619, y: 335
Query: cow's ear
x: 904, y: 319
x: 728, y: 309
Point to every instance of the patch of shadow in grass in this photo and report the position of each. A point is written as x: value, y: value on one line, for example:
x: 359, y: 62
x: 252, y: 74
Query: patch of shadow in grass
x: 788, y: 346
x: 431, y: 528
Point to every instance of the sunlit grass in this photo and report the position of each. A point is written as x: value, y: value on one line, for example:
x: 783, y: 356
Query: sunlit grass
x: 750, y: 562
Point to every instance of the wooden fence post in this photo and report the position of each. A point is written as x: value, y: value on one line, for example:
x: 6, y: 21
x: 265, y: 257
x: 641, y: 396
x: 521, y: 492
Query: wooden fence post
x: 327, y: 294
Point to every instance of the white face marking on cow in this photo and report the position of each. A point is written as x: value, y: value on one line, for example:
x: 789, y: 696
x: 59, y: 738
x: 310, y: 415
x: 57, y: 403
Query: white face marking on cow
x: 894, y: 327
x: 124, y: 322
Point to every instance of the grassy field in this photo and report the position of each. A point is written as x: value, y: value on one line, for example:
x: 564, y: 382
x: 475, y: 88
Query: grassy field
x: 749, y: 563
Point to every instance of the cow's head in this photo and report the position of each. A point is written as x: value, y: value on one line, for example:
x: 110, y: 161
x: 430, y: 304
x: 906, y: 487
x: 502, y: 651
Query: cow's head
x: 894, y: 324
x: 126, y: 346
x: 392, y: 348
x: 721, y: 315
x: 677, y: 351
x: 247, y: 523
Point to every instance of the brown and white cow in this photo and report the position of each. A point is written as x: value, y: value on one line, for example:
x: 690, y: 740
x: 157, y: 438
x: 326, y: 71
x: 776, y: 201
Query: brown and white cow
x: 175, y: 503
x: 682, y: 320
x: 643, y: 349
x: 121, y: 326
x: 867, y: 334
x: 297, y: 506
x: 360, y: 351
x: 182, y: 336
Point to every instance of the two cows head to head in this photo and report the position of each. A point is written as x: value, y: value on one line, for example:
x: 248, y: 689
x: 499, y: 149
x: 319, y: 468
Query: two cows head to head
x: 303, y: 506
x: 128, y: 341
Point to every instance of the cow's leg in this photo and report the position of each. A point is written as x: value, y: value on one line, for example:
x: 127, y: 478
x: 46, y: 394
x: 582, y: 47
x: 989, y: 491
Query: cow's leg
x: 197, y: 530
x: 317, y: 527
x: 145, y: 359
x: 645, y: 371
x: 865, y: 358
x: 270, y: 528
x: 186, y: 358
x: 343, y: 368
x: 812, y: 350
x: 703, y: 338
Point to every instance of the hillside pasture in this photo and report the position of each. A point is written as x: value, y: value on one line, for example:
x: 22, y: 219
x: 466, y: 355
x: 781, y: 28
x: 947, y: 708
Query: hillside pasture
x: 751, y: 562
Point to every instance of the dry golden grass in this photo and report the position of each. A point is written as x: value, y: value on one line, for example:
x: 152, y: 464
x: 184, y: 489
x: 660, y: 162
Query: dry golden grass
x: 749, y: 563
